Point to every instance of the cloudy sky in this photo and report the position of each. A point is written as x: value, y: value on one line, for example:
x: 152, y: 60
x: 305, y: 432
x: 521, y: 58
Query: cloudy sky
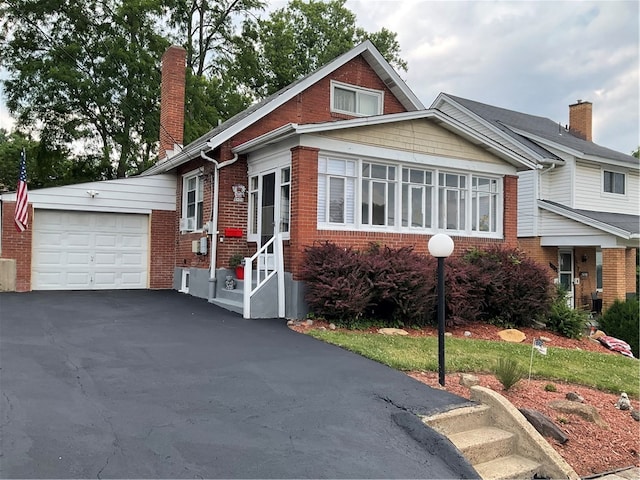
x: 534, y: 57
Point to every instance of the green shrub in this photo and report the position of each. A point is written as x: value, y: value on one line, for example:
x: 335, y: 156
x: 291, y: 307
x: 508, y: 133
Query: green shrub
x: 508, y: 372
x: 622, y: 320
x: 565, y: 320
x: 550, y: 387
x: 517, y: 290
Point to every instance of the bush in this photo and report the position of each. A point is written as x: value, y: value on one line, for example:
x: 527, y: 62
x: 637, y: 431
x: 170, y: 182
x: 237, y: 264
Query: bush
x: 337, y: 283
x: 565, y: 320
x: 403, y: 285
x: 517, y: 290
x: 464, y: 292
x: 622, y: 320
x: 508, y: 372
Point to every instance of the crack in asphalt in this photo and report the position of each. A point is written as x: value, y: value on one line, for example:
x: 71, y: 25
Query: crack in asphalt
x: 391, y: 402
x: 8, y: 412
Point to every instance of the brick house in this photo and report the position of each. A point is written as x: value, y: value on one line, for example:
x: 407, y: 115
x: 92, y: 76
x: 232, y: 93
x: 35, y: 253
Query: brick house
x: 346, y: 154
x: 578, y: 210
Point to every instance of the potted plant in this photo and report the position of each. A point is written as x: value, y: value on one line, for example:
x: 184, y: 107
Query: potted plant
x: 236, y: 262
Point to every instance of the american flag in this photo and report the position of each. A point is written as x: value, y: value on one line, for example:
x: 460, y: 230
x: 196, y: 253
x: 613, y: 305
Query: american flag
x: 538, y: 344
x: 22, y: 198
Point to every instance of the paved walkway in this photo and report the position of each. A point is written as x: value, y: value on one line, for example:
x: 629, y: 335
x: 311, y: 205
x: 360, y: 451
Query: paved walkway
x: 155, y: 384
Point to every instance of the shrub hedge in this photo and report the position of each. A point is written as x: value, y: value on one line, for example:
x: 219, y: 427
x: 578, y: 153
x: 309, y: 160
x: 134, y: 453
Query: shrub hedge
x: 398, y: 286
x: 622, y: 320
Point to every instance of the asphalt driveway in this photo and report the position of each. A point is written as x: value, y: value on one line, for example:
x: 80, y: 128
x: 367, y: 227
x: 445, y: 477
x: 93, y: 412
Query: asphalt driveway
x: 156, y: 384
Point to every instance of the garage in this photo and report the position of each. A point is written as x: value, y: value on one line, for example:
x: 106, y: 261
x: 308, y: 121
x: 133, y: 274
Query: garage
x: 112, y: 234
x: 89, y: 250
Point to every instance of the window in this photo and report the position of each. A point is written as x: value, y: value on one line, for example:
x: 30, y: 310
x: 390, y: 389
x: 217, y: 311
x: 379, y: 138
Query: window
x: 614, y: 182
x: 361, y: 194
x: 285, y: 198
x: 599, y: 269
x: 378, y: 194
x: 355, y: 100
x: 192, y: 202
x: 484, y: 204
x: 336, y: 191
x: 417, y: 201
x: 452, y: 201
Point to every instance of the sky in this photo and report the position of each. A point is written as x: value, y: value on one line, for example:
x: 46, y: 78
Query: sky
x: 533, y: 57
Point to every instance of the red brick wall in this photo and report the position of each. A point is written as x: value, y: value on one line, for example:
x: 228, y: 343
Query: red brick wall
x: 162, y: 243
x: 172, y: 99
x: 542, y: 255
x: 17, y: 245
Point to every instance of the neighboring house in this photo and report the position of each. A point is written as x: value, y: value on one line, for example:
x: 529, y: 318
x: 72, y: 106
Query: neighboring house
x: 346, y: 154
x: 578, y: 211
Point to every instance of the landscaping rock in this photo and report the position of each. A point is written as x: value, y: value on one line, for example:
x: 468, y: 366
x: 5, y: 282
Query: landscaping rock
x: 448, y: 334
x: 574, y: 397
x: 544, y: 425
x: 588, y: 412
x: 468, y: 380
x: 392, y: 331
x: 309, y: 322
x: 623, y: 402
x: 332, y: 326
x: 635, y: 414
x: 467, y: 334
x: 512, y: 335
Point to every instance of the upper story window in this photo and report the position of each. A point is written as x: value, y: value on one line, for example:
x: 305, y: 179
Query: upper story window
x: 360, y: 194
x: 192, y: 202
x: 614, y: 182
x: 355, y: 100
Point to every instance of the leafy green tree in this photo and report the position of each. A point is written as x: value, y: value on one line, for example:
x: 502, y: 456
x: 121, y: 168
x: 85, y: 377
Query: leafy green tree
x: 86, y: 70
x: 298, y: 39
x: 636, y: 153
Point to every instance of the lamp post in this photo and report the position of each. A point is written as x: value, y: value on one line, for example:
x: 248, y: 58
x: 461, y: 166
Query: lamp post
x: 440, y: 246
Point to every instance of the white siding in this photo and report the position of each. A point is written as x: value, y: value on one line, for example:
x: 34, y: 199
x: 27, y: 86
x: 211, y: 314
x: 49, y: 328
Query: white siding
x: 557, y: 184
x: 126, y: 195
x: 589, y: 194
x: 552, y: 224
x: 527, y: 208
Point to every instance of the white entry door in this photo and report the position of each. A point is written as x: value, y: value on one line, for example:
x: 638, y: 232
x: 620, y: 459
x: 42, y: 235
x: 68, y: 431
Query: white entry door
x: 89, y: 250
x: 565, y: 274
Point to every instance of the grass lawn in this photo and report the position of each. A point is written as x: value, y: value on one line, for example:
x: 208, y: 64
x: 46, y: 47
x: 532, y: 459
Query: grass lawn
x: 610, y: 373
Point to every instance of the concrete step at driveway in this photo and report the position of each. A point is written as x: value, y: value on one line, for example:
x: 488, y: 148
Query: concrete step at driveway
x: 459, y: 420
x: 484, y: 444
x: 507, y: 468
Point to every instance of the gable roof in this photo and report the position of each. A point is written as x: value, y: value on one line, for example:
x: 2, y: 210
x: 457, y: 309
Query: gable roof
x: 535, y: 133
x: 619, y: 224
x: 255, y: 112
x: 441, y: 119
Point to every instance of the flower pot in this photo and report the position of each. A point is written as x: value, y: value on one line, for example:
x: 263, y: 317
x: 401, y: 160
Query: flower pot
x: 240, y: 272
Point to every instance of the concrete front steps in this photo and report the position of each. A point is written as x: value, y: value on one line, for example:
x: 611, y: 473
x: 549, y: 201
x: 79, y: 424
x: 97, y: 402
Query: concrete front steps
x: 498, y: 441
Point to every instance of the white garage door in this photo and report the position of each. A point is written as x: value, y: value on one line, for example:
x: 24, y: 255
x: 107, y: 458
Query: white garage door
x: 89, y: 251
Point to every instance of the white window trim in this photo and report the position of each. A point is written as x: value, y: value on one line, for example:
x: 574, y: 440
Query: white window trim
x: 614, y: 194
x: 398, y: 228
x: 345, y: 86
x: 198, y: 175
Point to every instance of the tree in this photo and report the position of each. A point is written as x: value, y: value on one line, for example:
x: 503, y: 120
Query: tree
x: 86, y: 70
x: 296, y: 40
x: 636, y: 153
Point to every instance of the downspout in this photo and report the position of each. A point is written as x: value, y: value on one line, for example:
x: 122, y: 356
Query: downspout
x: 214, y: 217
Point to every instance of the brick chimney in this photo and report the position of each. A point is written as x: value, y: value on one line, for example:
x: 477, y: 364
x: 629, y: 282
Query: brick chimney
x: 172, y: 91
x: 580, y: 120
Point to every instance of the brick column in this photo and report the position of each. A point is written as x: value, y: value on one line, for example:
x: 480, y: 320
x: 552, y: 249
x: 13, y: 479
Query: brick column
x: 511, y: 210
x: 304, y: 203
x: 630, y: 256
x: 614, y: 277
x: 163, y: 249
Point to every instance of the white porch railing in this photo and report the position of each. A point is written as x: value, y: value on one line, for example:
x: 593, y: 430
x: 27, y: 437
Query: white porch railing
x: 267, y: 265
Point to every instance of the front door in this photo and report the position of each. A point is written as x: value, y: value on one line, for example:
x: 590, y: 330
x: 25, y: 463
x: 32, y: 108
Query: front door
x: 565, y: 273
